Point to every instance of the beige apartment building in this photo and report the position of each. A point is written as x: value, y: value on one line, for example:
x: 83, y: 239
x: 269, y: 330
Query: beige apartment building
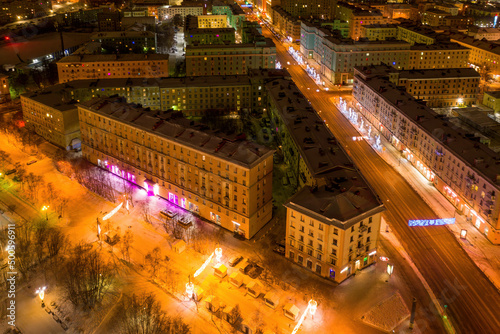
x: 230, y: 59
x: 483, y: 56
x: 225, y: 180
x: 439, y: 55
x: 52, y: 115
x: 379, y: 32
x: 451, y: 87
x: 112, y: 66
x: 359, y: 18
x: 416, y: 34
x: 212, y: 21
x: 333, y: 221
x: 464, y: 170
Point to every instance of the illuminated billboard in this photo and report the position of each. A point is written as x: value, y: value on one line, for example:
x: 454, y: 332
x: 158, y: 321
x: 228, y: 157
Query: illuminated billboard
x: 431, y: 222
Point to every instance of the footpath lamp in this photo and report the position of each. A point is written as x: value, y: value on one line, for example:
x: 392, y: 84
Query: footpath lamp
x: 45, y: 208
x: 41, y: 294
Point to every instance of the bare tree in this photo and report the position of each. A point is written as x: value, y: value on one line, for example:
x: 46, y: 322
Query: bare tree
x: 235, y: 318
x: 143, y: 314
x: 87, y: 276
x: 24, y: 247
x: 127, y: 240
x: 153, y: 260
x: 146, y: 210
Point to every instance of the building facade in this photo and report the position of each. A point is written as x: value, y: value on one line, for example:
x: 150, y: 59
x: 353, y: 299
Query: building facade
x: 52, y: 115
x: 484, y: 56
x: 227, y: 181
x: 168, y: 12
x: 112, y: 66
x: 492, y: 100
x: 212, y: 21
x: 379, y: 32
x: 461, y: 168
x: 450, y: 87
x: 333, y: 221
x: 439, y: 55
x: 286, y: 24
x: 229, y: 59
x: 142, y: 41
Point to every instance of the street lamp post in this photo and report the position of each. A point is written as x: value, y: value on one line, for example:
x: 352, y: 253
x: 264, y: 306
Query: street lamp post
x: 45, y: 208
x: 41, y: 294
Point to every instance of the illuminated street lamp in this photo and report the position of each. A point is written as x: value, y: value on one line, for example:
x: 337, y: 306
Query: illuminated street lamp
x: 218, y: 255
x: 313, y: 306
x: 41, y: 294
x: 45, y: 208
x: 189, y: 288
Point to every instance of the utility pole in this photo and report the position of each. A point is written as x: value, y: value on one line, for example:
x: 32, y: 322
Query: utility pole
x: 413, y: 309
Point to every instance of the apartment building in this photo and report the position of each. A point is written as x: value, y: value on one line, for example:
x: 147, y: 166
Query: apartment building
x: 492, y: 100
x: 483, y: 55
x: 491, y: 34
x: 434, y: 17
x: 305, y: 9
x: 438, y: 55
x: 464, y: 170
x: 339, y: 56
x: 416, y: 34
x: 379, y: 32
x: 333, y: 221
x: 127, y: 40
x: 235, y: 15
x: 193, y: 96
x: 286, y: 24
x: 363, y: 17
x: 53, y: 115
x: 223, y: 179
x: 450, y: 9
x: 230, y: 59
x: 212, y: 21
x: 168, y: 12
x: 109, y: 21
x: 109, y: 66
x: 449, y: 87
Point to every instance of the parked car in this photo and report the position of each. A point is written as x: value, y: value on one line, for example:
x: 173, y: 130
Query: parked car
x: 279, y: 249
x: 12, y: 171
x: 235, y: 260
x: 31, y: 162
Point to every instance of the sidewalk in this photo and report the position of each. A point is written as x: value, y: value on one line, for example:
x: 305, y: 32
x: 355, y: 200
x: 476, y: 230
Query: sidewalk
x: 484, y: 254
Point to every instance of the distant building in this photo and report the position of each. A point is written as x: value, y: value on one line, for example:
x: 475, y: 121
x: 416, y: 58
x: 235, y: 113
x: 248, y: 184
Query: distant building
x: 112, y: 66
x: 168, y: 12
x: 417, y: 34
x: 286, y: 24
x: 483, y: 55
x: 80, y: 17
x: 235, y: 15
x: 224, y: 179
x: 53, y: 116
x: 491, y: 34
x: 434, y: 17
x: 492, y: 100
x: 379, y: 32
x: 129, y: 40
x: 195, y: 35
x: 109, y: 21
x: 212, y: 21
x: 438, y: 55
x: 230, y: 59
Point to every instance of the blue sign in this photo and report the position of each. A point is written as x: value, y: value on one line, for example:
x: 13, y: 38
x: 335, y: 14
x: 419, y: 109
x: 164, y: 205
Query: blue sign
x: 431, y: 222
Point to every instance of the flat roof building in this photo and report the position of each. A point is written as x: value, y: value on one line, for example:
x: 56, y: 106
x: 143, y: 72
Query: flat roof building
x: 107, y: 66
x: 222, y: 178
x: 464, y: 170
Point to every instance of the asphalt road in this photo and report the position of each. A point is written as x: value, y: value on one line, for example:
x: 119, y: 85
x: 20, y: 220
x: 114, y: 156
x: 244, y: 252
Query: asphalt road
x: 473, y: 302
